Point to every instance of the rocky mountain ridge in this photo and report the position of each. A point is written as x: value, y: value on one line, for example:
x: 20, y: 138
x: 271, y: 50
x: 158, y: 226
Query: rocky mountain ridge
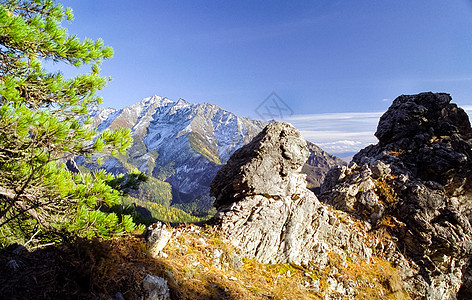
x: 177, y: 142
x: 184, y: 145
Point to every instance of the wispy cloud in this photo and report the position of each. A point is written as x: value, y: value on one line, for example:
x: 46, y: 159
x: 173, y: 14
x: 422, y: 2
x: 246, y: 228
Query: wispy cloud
x: 338, y: 133
x: 468, y: 109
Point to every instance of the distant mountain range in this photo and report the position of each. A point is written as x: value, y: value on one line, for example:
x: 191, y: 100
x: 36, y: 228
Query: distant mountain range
x: 181, y: 146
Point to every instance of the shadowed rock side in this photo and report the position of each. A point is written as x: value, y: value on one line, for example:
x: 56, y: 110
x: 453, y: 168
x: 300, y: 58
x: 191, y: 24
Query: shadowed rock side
x: 416, y: 182
x: 265, y: 209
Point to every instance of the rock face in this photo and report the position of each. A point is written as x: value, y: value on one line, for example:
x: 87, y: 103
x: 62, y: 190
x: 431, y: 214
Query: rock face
x: 265, y: 209
x: 416, y: 182
x: 426, y: 137
x: 267, y: 166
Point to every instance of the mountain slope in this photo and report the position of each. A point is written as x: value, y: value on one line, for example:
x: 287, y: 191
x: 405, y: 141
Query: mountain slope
x: 181, y: 143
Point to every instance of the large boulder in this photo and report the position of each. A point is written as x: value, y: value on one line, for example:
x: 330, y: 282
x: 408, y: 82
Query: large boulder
x: 427, y: 137
x: 269, y: 165
x: 266, y: 211
x: 417, y: 180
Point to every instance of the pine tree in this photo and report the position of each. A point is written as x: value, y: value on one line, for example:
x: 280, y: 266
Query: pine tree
x: 43, y: 124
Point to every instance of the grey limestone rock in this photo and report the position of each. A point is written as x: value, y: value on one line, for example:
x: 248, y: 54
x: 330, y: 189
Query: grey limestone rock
x: 156, y: 288
x: 417, y: 179
x: 269, y: 165
x: 266, y: 211
x: 157, y: 236
x: 266, y: 166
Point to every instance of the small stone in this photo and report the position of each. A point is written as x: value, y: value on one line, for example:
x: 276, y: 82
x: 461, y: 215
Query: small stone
x: 315, y: 285
x: 156, y: 288
x: 380, y: 169
x: 157, y: 236
x: 236, y: 261
x: 217, y: 253
x: 332, y: 284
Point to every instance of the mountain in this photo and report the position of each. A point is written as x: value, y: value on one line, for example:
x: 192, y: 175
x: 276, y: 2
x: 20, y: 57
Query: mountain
x: 181, y: 146
x: 393, y: 224
x: 317, y: 166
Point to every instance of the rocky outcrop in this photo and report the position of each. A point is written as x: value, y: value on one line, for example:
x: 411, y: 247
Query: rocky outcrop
x: 269, y: 165
x: 416, y: 183
x: 426, y: 137
x: 266, y: 211
x: 406, y: 199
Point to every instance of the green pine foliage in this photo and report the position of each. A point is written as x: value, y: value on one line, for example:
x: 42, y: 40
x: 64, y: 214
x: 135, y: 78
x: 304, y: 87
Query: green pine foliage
x: 43, y: 124
x: 156, y: 191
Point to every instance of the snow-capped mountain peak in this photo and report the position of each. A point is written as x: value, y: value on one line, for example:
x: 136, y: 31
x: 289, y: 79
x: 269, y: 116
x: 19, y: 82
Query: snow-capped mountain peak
x: 182, y: 143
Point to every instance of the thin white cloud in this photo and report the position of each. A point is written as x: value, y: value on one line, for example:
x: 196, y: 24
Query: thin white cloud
x: 467, y: 108
x: 336, y: 122
x: 338, y: 133
x: 327, y: 135
x: 447, y: 79
x: 336, y: 116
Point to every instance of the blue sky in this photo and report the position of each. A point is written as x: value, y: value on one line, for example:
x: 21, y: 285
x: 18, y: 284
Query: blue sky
x: 323, y: 58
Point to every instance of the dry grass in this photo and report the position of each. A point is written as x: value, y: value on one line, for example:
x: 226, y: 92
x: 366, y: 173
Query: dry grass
x: 384, y: 189
x: 197, y: 265
x: 375, y: 280
x: 195, y: 268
